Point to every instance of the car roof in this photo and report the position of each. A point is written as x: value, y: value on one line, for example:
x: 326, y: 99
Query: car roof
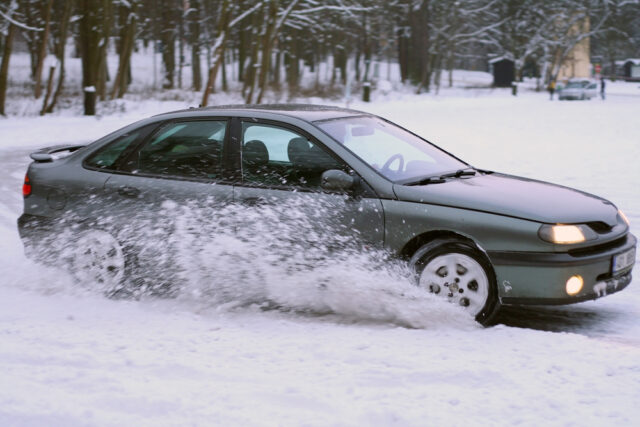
x: 306, y: 112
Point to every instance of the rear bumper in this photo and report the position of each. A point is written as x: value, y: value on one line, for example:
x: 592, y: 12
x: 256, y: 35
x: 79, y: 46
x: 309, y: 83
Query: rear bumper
x: 31, y: 226
x: 532, y: 278
x: 38, y: 235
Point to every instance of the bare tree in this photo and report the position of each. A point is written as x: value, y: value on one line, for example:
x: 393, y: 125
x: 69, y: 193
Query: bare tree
x: 92, y: 37
x: 60, y: 35
x: 620, y: 35
x: 42, y: 49
x: 169, y: 10
x: 8, y: 26
x: 193, y: 17
x: 128, y: 15
x: 6, y: 56
x: 224, y: 27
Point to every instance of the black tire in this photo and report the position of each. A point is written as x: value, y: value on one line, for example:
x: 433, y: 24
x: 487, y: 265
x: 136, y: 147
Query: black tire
x: 471, y: 269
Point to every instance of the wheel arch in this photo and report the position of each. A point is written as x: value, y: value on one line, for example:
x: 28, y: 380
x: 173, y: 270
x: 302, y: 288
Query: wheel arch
x: 447, y: 236
x: 420, y: 240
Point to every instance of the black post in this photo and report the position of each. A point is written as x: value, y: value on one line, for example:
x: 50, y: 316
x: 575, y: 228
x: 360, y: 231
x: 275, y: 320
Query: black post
x: 90, y: 101
x: 366, y: 92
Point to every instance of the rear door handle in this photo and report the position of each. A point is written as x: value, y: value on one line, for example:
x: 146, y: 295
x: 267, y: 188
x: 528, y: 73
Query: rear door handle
x: 130, y: 192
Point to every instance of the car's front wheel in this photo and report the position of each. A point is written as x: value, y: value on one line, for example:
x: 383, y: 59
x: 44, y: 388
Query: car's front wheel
x: 457, y: 271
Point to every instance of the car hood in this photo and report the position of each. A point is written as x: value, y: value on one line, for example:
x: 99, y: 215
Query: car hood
x: 514, y: 196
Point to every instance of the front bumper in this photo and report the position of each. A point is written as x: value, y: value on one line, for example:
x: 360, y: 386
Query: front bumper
x: 534, y: 278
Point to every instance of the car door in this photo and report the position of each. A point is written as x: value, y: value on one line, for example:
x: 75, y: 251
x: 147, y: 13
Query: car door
x: 181, y: 161
x: 281, y: 166
x: 178, y: 171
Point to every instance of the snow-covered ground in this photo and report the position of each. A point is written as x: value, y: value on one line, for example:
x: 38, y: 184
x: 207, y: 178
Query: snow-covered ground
x: 73, y: 358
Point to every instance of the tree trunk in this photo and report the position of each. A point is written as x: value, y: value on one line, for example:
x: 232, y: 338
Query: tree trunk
x: 427, y: 71
x: 341, y: 64
x: 438, y: 73
x: 450, y: 60
x: 224, y: 72
x: 196, y: 71
x: 218, y: 51
x: 90, y: 50
x: 293, y: 67
x: 4, y: 66
x: 267, y: 46
x: 103, y: 76
x: 195, y: 45
x: 47, y: 95
x: 276, y: 70
x: 103, y: 35
x: 42, y: 51
x: 60, y: 52
x: 403, y: 50
x: 181, y: 44
x: 242, y: 55
x: 250, y: 76
x: 168, y: 38
x: 127, y: 41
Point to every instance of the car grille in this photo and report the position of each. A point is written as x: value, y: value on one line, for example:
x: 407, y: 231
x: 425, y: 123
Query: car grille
x: 593, y: 250
x: 600, y: 227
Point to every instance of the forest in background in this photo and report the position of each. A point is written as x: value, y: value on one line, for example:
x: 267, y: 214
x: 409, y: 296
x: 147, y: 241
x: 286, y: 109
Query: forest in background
x: 268, y: 42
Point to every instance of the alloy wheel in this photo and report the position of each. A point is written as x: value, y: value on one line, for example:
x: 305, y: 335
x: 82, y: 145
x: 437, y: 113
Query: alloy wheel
x: 459, y: 278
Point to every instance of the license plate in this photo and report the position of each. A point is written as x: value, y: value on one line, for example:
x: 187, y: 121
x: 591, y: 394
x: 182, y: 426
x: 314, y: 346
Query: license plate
x: 624, y: 260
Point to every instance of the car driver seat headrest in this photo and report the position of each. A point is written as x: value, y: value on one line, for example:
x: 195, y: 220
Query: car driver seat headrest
x: 298, y: 151
x: 255, y: 153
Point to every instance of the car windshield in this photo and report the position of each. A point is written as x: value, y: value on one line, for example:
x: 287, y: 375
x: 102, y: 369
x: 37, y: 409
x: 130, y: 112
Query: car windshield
x: 575, y: 85
x: 392, y: 151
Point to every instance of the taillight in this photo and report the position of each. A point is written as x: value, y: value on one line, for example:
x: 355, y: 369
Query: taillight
x: 26, y: 187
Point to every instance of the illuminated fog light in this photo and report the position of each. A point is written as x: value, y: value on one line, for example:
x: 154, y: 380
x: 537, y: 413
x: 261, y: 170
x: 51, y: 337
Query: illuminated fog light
x: 574, y: 285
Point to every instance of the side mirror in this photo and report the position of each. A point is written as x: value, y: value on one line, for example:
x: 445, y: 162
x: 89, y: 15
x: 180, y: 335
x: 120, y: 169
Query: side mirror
x: 336, y: 180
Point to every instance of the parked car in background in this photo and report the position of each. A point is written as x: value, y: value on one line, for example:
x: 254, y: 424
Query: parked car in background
x: 478, y: 238
x: 579, y: 89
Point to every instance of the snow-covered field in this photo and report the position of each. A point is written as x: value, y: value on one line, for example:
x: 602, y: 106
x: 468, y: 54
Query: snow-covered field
x: 73, y: 358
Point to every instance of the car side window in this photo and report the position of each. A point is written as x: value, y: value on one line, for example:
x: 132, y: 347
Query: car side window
x: 106, y: 157
x: 183, y: 149
x: 277, y: 156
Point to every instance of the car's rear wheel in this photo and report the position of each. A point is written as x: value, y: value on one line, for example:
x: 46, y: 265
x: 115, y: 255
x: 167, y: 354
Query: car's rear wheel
x: 457, y: 271
x: 99, y: 261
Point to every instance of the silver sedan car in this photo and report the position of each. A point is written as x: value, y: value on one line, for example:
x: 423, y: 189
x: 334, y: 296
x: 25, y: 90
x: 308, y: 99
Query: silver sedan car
x: 579, y: 90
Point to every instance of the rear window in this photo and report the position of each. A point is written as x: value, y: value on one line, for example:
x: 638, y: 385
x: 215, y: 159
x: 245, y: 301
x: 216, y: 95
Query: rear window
x: 106, y: 157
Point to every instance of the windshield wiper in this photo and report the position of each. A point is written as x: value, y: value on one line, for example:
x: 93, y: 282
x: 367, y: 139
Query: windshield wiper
x: 429, y: 180
x: 443, y: 178
x: 459, y: 173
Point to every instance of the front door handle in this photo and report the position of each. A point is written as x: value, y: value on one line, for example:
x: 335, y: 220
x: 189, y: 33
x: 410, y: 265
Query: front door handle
x: 130, y: 192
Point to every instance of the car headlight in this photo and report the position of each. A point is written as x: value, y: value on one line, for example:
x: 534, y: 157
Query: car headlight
x: 566, y: 234
x: 624, y: 217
